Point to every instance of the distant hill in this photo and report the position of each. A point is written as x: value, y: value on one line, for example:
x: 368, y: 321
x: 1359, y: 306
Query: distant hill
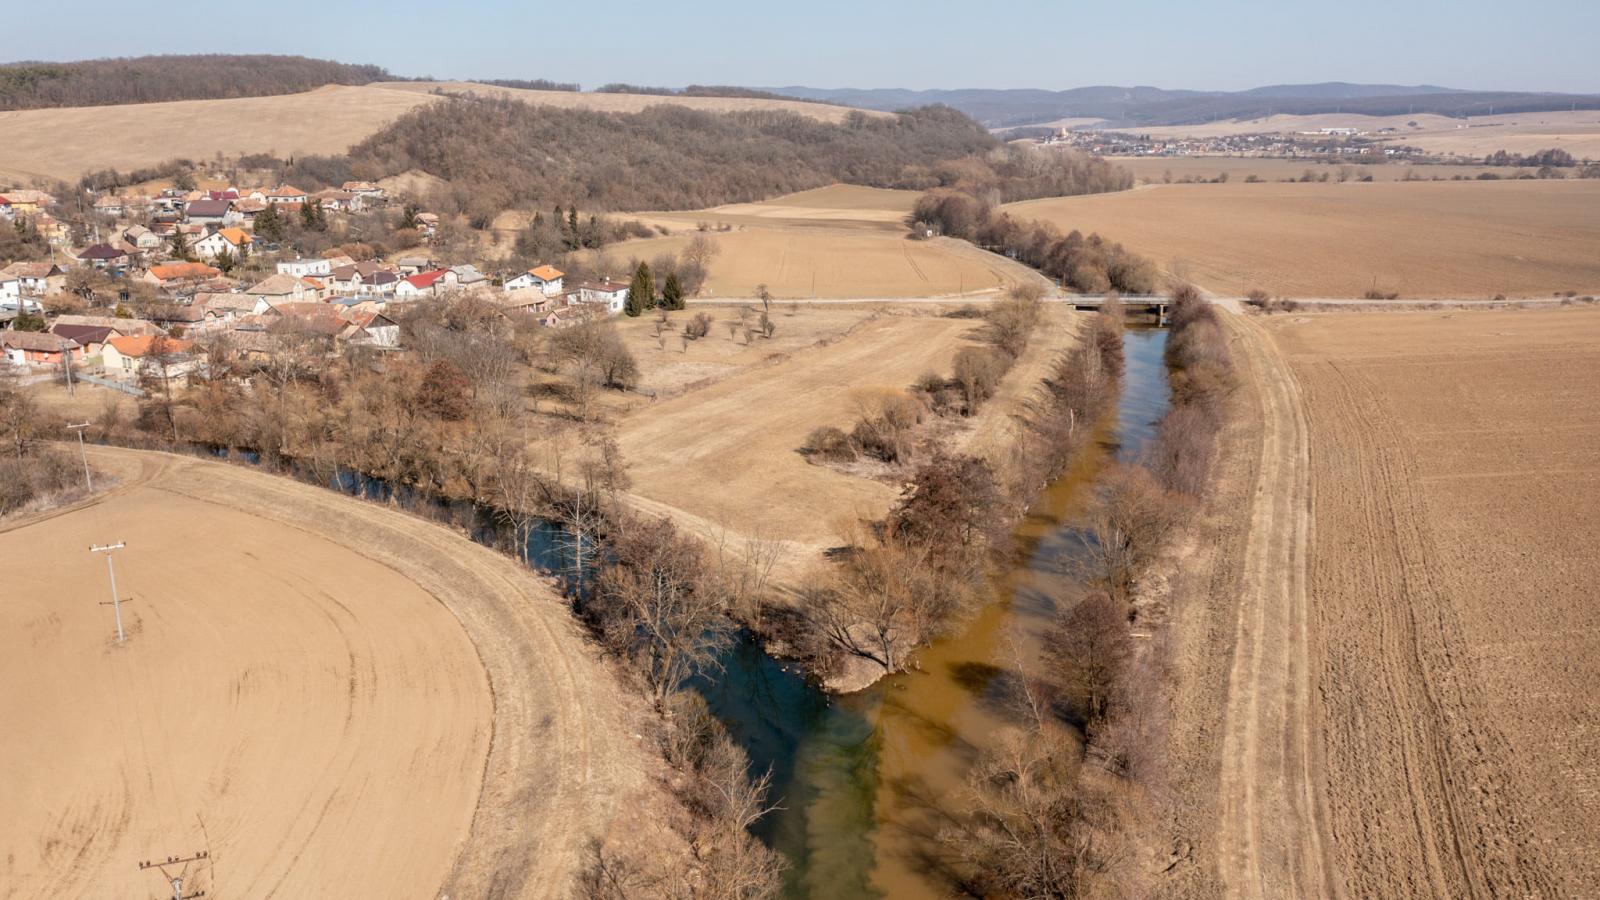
x: 1135, y: 106
x: 152, y: 79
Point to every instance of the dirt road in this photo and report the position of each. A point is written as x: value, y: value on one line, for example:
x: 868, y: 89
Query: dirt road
x: 335, y: 698
x: 1269, y: 834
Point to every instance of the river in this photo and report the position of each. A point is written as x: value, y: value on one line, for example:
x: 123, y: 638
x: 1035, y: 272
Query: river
x: 862, y: 779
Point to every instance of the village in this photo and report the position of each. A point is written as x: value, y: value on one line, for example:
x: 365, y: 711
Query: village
x: 160, y: 273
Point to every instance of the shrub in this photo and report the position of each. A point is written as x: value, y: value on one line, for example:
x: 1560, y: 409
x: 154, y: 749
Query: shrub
x: 828, y: 443
x: 698, y: 327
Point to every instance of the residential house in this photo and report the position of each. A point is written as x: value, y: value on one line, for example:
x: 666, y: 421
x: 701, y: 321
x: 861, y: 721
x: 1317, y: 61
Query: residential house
x: 91, y: 338
x: 227, y: 307
x: 425, y: 284
x: 119, y: 327
x: 127, y: 357
x: 10, y: 291
x: 546, y: 278
x: 37, y: 348
x: 371, y: 329
x: 248, y: 210
x: 233, y: 241
x: 52, y: 229
x: 339, y: 201
x: 468, y: 276
x: 300, y: 268
x: 36, y: 279
x: 427, y: 223
x: 142, y: 238
x: 28, y: 202
x: 286, y: 195
x: 216, y: 213
x: 6, y: 209
x: 104, y: 256
x: 110, y: 205
x: 381, y: 283
x: 282, y: 288
x: 171, y: 275
x: 366, y: 190
x: 411, y: 265
x: 613, y: 294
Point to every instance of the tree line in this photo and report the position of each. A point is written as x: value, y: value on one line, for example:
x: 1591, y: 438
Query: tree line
x: 151, y: 79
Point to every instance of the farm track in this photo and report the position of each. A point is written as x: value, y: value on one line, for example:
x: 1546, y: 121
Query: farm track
x: 1269, y: 839
x: 555, y: 773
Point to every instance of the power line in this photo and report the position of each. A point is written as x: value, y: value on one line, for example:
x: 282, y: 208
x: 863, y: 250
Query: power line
x: 177, y: 880
x: 88, y: 482
x: 111, y: 568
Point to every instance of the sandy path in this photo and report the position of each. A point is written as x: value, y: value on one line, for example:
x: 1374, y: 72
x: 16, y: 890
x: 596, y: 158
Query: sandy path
x: 1269, y: 839
x: 539, y: 761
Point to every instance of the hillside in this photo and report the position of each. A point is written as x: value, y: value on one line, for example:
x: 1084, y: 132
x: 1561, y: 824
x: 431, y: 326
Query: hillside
x: 152, y: 79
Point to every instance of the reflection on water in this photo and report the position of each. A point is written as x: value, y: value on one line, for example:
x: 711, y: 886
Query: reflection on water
x: 865, y: 780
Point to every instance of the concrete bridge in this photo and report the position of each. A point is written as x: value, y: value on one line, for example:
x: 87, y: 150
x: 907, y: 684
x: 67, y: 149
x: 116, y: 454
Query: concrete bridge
x: 1154, y: 305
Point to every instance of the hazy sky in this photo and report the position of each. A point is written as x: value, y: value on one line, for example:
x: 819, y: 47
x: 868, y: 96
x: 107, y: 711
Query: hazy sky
x: 1202, y: 44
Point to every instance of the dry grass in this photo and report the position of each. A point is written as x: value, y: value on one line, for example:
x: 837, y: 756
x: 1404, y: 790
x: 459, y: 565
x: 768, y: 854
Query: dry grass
x: 1452, y: 566
x: 64, y: 143
x: 1468, y: 239
x: 834, y: 242
x: 728, y: 453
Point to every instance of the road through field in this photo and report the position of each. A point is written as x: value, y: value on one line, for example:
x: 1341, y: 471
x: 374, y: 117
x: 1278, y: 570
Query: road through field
x: 333, y: 697
x: 1269, y: 834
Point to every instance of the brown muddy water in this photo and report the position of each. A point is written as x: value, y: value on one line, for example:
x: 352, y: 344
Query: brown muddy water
x: 865, y: 781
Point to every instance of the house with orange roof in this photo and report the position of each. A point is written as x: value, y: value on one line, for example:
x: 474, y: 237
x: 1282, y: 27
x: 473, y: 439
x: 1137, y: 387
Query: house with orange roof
x: 233, y: 241
x: 127, y: 357
x: 169, y: 274
x: 286, y: 194
x: 546, y: 278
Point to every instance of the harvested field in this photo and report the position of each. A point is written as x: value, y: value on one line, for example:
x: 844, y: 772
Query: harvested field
x: 727, y: 454
x: 332, y: 697
x: 65, y: 143
x: 1454, y: 239
x: 834, y: 242
x: 1455, y: 621
x: 1408, y: 708
x: 1577, y: 131
x: 1155, y: 169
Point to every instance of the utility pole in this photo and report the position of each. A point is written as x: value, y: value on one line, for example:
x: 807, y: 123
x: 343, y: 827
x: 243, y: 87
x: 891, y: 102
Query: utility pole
x: 88, y: 482
x: 116, y: 605
x: 176, y: 881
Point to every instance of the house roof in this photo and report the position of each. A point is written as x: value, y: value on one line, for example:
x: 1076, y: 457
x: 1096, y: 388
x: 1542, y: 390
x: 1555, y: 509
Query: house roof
x: 208, y: 208
x: 235, y: 236
x: 600, y: 287
x: 121, y: 326
x: 287, y: 190
x: 83, y: 334
x: 102, y: 251
x: 40, y: 341
x: 382, y: 277
x: 176, y: 271
x: 139, y: 345
x: 275, y: 286
x: 546, y: 273
x: 426, y: 279
x: 220, y: 302
x: 31, y: 269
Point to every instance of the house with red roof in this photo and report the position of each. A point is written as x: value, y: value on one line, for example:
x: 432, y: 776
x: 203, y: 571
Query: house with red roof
x: 425, y: 284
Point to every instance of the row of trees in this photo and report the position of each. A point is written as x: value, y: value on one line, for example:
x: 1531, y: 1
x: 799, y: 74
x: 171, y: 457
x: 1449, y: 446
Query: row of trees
x: 1086, y: 264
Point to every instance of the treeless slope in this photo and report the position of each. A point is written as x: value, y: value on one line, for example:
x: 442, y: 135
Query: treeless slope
x: 1457, y: 484
x: 303, y: 692
x: 627, y: 103
x: 727, y: 454
x: 1452, y: 239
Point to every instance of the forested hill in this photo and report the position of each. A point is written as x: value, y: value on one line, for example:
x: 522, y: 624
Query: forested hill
x: 500, y: 154
x: 151, y: 79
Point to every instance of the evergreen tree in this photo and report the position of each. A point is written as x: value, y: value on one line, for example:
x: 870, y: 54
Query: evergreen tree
x: 672, y: 293
x: 269, y: 224
x: 572, y: 221
x: 308, y: 215
x: 641, y: 291
x: 408, y: 216
x: 180, y: 246
x: 225, y: 262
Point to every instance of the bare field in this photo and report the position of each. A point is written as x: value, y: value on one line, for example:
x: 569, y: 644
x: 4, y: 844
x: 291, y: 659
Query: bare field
x: 65, y: 143
x: 1155, y: 169
x: 1410, y: 711
x: 1452, y: 239
x: 727, y: 454
x: 308, y: 690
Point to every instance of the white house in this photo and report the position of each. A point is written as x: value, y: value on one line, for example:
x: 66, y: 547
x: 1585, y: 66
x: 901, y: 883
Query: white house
x: 285, y: 194
x: 282, y: 288
x: 614, y: 294
x: 425, y: 284
x: 232, y: 241
x: 300, y: 268
x: 545, y: 278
